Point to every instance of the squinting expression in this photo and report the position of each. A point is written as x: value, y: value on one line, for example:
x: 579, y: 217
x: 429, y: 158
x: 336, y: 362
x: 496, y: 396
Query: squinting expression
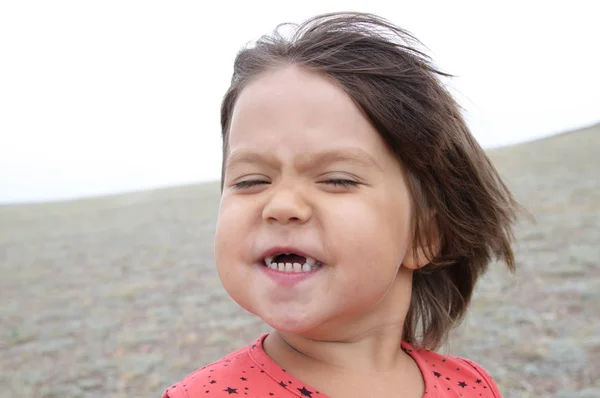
x: 307, y: 174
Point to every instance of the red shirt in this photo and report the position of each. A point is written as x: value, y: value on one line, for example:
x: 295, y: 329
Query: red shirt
x: 250, y: 372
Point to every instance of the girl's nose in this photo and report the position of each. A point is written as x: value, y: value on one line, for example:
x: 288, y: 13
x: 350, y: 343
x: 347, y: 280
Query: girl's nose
x: 287, y: 205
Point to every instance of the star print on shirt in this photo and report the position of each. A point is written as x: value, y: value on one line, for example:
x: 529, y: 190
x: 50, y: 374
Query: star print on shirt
x: 462, y: 384
x: 231, y: 390
x: 305, y: 392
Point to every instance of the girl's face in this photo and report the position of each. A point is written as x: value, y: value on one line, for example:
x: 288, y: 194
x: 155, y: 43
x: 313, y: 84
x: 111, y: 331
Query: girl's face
x: 306, y: 174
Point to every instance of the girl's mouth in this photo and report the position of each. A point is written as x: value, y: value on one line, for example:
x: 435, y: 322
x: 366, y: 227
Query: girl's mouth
x: 291, y: 262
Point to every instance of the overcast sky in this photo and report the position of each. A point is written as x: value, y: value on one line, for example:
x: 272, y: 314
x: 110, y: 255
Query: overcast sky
x: 112, y: 96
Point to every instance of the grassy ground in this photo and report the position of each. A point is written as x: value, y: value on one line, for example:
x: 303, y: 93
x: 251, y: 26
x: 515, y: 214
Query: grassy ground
x: 118, y: 297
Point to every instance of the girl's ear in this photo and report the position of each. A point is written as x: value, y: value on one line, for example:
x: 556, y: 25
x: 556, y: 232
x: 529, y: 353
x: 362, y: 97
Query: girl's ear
x: 426, y: 248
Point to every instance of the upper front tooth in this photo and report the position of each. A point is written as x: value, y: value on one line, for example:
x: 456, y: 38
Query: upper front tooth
x: 310, y: 261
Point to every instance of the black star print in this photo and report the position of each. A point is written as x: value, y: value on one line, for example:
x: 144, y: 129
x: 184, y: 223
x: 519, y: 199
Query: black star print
x: 462, y: 384
x: 437, y: 374
x: 478, y: 381
x: 305, y: 392
x: 282, y: 384
x: 230, y: 390
x: 242, y: 378
x: 213, y: 381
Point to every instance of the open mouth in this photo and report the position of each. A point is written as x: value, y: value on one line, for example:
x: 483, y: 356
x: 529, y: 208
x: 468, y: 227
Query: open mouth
x: 292, y: 262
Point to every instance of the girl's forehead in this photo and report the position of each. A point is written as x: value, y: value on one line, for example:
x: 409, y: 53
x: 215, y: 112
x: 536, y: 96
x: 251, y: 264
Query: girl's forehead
x: 291, y: 104
x: 293, y: 85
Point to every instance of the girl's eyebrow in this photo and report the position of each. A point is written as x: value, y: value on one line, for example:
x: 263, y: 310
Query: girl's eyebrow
x: 306, y: 161
x: 353, y: 155
x: 250, y: 157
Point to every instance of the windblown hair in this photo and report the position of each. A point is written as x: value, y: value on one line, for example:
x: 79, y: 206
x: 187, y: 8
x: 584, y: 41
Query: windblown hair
x: 463, y: 211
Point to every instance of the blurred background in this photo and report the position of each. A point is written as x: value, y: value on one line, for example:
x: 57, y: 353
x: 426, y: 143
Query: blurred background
x: 110, y: 156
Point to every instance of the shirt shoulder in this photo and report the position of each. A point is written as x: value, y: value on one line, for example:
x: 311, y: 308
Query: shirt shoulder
x: 245, y: 372
x: 209, y: 379
x: 446, y: 375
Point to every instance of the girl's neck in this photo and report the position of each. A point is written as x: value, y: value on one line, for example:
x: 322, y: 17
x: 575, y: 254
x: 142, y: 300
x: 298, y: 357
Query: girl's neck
x: 369, y: 365
x: 374, y: 352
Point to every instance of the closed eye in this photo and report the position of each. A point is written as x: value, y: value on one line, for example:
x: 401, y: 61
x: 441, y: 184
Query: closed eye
x: 249, y: 184
x: 341, y: 183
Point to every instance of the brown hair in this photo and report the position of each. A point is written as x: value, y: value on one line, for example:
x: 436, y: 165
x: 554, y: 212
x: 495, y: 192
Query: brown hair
x: 463, y: 208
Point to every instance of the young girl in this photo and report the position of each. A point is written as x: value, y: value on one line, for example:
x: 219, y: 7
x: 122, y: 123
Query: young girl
x: 357, y: 215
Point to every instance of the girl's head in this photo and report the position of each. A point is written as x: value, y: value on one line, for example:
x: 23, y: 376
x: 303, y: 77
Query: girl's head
x: 341, y: 144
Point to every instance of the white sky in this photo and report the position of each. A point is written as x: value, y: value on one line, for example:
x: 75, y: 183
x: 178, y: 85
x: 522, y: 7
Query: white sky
x: 111, y: 96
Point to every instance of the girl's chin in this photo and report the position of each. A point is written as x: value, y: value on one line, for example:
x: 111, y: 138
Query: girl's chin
x: 288, y: 324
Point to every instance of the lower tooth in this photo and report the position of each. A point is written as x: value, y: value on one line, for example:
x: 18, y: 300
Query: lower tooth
x: 306, y: 267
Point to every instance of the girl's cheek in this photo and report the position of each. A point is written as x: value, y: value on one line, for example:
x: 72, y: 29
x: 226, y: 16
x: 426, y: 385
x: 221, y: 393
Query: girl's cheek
x: 230, y: 209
